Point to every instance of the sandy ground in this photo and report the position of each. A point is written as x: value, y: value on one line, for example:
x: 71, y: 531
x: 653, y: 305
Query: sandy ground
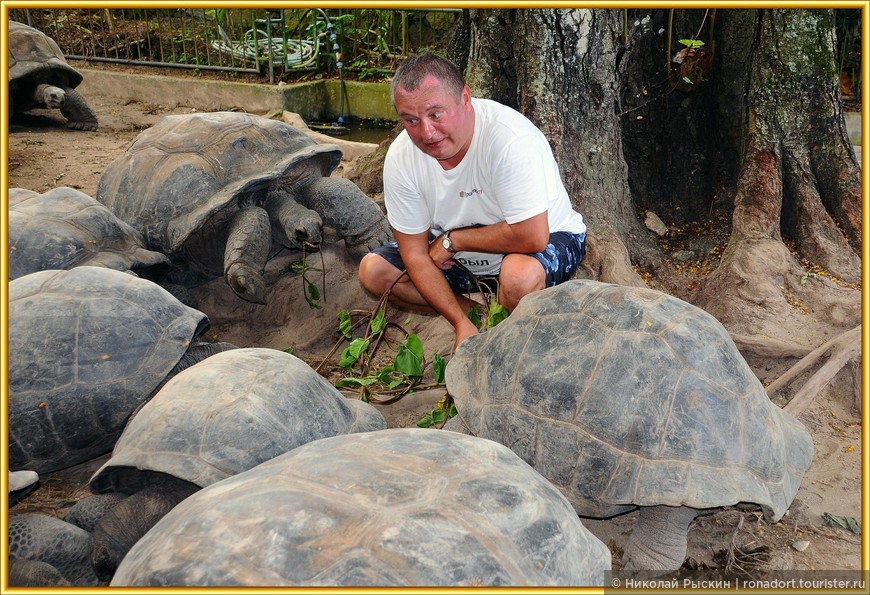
x: 42, y: 154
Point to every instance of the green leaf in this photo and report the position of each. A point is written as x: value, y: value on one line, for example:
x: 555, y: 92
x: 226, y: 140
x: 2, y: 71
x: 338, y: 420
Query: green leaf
x: 409, y: 357
x: 408, y: 363
x: 296, y: 268
x: 692, y: 43
x: 352, y: 352
x: 688, y: 80
x: 290, y: 350
x: 415, y: 345
x: 452, y: 412
x: 378, y: 324
x: 313, y: 292
x: 345, y: 323
x: 350, y: 381
x: 384, y: 374
x: 433, y: 417
x: 473, y: 314
x: 497, y: 313
x: 439, y: 365
x: 848, y: 523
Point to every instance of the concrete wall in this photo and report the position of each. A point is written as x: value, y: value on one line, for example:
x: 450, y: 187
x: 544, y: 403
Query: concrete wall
x: 315, y: 101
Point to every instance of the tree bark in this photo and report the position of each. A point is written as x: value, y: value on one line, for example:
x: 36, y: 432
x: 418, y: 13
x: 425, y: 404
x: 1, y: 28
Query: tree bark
x: 797, y: 199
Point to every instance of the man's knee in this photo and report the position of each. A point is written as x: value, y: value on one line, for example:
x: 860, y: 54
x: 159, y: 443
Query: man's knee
x: 519, y: 277
x: 376, y: 274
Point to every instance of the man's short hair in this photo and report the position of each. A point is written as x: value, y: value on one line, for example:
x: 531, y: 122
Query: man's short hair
x: 413, y: 70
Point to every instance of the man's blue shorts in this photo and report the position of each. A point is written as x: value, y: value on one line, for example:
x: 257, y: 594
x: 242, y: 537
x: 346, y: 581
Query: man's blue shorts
x: 560, y: 259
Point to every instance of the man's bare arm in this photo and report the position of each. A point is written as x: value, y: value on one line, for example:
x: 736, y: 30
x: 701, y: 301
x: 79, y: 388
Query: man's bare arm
x: 525, y: 237
x: 428, y: 279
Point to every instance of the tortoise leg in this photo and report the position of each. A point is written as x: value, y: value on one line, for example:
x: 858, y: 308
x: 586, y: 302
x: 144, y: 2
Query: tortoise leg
x: 354, y: 216
x: 119, y: 529
x: 293, y: 224
x: 35, y: 573
x: 87, y: 512
x: 246, y: 252
x: 77, y: 112
x: 47, y: 539
x: 658, y: 542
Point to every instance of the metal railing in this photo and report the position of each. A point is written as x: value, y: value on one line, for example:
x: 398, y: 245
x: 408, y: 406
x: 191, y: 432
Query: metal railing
x: 274, y: 43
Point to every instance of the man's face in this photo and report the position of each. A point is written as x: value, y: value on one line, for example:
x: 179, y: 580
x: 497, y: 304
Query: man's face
x: 438, y: 123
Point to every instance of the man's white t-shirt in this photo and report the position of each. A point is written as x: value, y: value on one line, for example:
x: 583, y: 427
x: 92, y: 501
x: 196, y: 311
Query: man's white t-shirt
x: 509, y: 174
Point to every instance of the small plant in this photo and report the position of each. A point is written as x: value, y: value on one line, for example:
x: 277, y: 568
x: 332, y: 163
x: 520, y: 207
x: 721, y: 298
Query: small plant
x: 364, y: 332
x: 691, y: 44
x: 444, y: 410
x: 299, y: 268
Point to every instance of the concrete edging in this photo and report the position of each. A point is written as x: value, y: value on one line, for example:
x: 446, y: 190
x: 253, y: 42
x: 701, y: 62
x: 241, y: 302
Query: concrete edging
x: 315, y: 101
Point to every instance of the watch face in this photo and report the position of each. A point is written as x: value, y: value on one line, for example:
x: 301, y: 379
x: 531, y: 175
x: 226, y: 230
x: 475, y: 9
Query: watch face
x: 445, y: 241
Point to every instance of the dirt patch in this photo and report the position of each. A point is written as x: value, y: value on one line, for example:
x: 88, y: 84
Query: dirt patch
x: 42, y: 155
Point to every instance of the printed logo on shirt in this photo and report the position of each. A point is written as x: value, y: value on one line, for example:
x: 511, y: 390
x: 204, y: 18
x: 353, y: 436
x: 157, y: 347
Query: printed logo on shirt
x: 469, y: 193
x: 480, y: 263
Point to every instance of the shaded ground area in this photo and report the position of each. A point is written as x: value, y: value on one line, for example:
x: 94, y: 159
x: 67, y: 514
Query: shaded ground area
x: 42, y: 154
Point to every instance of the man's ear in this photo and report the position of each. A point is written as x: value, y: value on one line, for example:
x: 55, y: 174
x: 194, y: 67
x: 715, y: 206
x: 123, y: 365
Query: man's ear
x: 465, y: 98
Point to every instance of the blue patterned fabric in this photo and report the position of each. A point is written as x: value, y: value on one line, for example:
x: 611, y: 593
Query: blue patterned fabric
x: 560, y: 259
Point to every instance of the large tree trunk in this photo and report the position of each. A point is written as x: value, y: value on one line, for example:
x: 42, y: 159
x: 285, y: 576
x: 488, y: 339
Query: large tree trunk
x: 797, y: 205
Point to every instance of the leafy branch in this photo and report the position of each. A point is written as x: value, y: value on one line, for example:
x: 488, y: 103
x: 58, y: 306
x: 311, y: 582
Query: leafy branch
x: 364, y: 332
x: 299, y: 268
x: 403, y: 375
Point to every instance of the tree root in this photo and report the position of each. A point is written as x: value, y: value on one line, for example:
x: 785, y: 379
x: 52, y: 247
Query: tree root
x: 845, y: 349
x: 768, y: 347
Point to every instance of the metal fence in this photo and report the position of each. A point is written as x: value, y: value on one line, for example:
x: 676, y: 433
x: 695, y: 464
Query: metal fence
x: 275, y: 43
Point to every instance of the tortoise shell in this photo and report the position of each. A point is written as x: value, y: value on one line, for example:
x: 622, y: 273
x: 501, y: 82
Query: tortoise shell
x: 64, y: 227
x: 404, y: 506
x: 36, y: 57
x: 625, y: 397
x: 87, y: 347
x: 229, y: 413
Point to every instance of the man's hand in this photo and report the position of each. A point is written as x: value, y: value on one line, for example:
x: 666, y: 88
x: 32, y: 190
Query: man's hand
x: 442, y: 257
x: 464, y: 330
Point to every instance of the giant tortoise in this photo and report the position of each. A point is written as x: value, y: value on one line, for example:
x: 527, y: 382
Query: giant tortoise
x: 213, y: 190
x: 87, y: 347
x: 627, y: 397
x: 64, y: 228
x: 399, y: 507
x: 216, y: 419
x: 39, y: 76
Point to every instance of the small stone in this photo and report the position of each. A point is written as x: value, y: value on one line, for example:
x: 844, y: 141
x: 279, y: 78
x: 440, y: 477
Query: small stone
x: 654, y: 224
x: 801, y: 545
x: 684, y: 255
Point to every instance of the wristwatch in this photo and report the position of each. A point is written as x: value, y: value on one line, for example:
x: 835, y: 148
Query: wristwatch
x: 445, y: 241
